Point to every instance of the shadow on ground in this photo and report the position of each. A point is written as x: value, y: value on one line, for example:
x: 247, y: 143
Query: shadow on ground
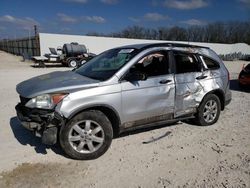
x: 26, y: 137
x: 48, y: 65
x: 142, y: 130
x: 234, y: 85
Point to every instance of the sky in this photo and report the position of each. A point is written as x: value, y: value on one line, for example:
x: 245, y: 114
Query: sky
x: 18, y: 17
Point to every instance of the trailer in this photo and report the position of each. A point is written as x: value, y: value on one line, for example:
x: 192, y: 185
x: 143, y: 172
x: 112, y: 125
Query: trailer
x: 71, y: 55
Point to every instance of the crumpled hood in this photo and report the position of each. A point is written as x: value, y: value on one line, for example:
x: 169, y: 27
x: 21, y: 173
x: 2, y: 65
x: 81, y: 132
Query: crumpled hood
x: 60, y: 81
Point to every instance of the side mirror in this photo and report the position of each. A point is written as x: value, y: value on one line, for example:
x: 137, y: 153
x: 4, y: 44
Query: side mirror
x: 136, y: 76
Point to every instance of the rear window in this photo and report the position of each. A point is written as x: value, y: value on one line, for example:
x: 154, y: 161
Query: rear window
x: 211, y: 64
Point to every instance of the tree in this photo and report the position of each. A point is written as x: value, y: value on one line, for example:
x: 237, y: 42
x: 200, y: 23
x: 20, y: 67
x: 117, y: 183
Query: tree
x: 217, y: 32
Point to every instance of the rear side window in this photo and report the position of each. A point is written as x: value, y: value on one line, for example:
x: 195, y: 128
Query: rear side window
x: 186, y: 62
x: 211, y: 64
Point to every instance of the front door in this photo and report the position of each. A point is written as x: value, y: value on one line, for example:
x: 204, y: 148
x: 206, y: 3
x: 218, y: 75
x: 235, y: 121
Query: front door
x: 150, y: 100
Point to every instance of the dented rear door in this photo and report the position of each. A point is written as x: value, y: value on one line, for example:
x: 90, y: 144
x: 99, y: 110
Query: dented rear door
x: 189, y: 80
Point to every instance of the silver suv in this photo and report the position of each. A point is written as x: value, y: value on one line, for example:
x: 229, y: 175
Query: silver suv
x: 121, y: 89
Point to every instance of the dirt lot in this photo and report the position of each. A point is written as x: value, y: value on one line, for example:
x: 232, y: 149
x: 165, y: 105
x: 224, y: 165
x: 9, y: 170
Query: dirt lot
x: 190, y: 156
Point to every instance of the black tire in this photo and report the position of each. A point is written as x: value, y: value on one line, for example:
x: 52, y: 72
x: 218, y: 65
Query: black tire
x: 96, y: 118
x: 201, y: 119
x: 72, y: 63
x: 82, y: 61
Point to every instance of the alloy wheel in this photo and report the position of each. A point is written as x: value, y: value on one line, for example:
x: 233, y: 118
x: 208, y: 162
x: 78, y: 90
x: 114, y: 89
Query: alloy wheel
x: 86, y: 136
x: 210, y: 111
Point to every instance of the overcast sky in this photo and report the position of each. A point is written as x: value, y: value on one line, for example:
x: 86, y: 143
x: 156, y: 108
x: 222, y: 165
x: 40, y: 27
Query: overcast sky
x: 17, y: 17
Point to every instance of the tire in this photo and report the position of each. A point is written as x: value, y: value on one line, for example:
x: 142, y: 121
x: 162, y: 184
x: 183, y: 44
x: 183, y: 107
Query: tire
x: 86, y: 136
x: 208, y: 111
x: 72, y: 63
x: 83, y: 61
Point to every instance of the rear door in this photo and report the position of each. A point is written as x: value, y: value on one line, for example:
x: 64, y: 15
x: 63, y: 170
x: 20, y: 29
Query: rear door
x: 215, y: 78
x: 150, y: 100
x: 188, y: 78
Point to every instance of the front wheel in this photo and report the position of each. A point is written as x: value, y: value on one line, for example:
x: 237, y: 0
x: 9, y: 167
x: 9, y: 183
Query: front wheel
x: 86, y: 136
x: 208, y: 111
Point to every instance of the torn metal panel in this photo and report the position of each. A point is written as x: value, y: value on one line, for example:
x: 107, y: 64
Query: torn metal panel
x: 187, y: 91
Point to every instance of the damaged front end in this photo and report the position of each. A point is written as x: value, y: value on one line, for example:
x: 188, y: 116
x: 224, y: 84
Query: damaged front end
x: 43, y: 122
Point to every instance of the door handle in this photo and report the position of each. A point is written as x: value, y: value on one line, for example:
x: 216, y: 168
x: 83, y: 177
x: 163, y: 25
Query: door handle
x: 165, y: 81
x: 201, y: 77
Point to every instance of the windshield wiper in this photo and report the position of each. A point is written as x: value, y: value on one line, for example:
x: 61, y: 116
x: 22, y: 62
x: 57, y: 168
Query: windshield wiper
x: 94, y: 78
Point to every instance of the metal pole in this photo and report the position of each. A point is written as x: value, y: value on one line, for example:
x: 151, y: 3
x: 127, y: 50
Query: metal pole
x: 28, y: 47
x: 15, y: 48
x: 7, y: 43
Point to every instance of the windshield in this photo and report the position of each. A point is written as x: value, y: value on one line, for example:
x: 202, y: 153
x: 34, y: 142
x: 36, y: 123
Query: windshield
x: 105, y: 65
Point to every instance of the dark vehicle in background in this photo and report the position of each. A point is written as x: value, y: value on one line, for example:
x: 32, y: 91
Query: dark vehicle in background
x: 244, y: 76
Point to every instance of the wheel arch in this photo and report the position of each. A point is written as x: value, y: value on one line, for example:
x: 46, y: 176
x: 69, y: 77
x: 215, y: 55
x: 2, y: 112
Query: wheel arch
x: 109, y: 111
x: 220, y: 94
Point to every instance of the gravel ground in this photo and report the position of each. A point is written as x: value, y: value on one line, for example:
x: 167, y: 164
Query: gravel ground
x: 189, y: 156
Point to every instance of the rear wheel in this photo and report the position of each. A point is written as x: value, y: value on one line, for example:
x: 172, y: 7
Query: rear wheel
x: 208, y: 111
x: 83, y: 61
x: 86, y: 136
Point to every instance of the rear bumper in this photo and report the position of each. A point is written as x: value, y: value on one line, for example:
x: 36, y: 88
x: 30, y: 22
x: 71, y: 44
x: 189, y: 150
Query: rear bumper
x: 227, y: 102
x: 228, y: 95
x: 243, y: 81
x: 244, y: 78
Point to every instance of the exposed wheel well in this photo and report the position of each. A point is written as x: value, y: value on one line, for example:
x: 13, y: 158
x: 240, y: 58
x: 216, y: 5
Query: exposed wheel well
x: 111, y: 115
x: 221, y: 96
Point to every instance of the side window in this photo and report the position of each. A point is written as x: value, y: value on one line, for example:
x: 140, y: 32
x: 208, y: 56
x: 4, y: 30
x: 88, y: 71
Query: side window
x: 211, y: 64
x: 186, y: 62
x: 154, y: 64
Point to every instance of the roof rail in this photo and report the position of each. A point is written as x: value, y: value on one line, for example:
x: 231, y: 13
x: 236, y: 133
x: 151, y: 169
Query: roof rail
x: 173, y: 45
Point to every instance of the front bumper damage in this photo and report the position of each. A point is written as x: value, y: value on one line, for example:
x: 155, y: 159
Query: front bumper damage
x: 44, y: 123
